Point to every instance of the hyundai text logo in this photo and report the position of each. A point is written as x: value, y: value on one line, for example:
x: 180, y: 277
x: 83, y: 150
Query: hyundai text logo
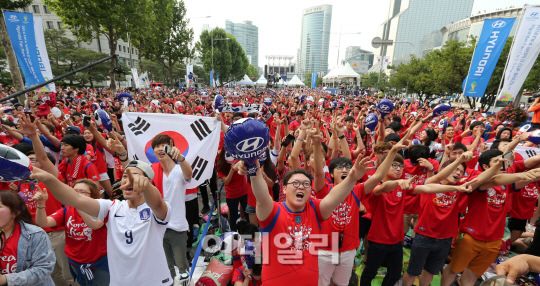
x: 13, y: 18
x: 498, y: 24
x: 534, y: 14
x: 250, y: 145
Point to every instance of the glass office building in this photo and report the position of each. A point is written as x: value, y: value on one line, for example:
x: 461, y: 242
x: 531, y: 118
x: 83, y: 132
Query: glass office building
x: 416, y: 25
x: 315, y: 39
x: 247, y: 36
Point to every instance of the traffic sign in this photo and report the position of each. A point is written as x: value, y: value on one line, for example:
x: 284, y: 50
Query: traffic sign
x: 377, y: 42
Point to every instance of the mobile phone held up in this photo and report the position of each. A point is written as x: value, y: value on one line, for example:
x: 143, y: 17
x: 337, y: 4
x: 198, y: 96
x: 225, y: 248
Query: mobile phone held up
x: 509, y: 161
x: 86, y: 121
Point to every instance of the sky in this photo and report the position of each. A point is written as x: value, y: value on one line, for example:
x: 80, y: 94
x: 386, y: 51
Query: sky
x: 279, y: 21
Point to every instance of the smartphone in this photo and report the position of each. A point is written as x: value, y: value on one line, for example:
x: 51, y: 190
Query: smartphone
x: 86, y: 121
x: 509, y: 162
x: 287, y: 140
x: 167, y: 149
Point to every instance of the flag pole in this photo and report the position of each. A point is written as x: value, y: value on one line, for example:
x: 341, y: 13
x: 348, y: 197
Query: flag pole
x: 508, y: 56
x: 470, y: 65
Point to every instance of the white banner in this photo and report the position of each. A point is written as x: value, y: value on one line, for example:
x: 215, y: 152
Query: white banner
x: 135, y: 74
x: 43, y: 57
x: 189, y: 69
x: 386, y: 62
x: 143, y: 80
x: 523, y: 54
x: 196, y: 137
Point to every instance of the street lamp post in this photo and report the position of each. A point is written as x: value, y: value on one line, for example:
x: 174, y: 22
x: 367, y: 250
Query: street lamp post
x: 339, y: 43
x: 222, y: 39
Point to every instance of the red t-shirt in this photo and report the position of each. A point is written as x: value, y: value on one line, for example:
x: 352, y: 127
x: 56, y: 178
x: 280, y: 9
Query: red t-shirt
x: 349, y: 135
x: 237, y: 186
x: 344, y: 219
x: 438, y: 217
x: 83, y: 244
x: 51, y: 205
x: 238, y: 275
x: 295, y: 256
x: 476, y: 153
x: 469, y: 175
x: 294, y: 125
x: 523, y: 200
x: 252, y: 200
x: 387, y: 210
x: 8, y: 140
x: 70, y: 173
x: 412, y: 203
x: 486, y: 216
x: 8, y: 258
x: 97, y: 158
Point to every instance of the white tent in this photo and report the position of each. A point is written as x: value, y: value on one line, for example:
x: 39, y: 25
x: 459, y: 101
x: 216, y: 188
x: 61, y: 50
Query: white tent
x: 245, y: 81
x: 261, y: 80
x: 346, y: 71
x: 281, y: 82
x: 296, y: 81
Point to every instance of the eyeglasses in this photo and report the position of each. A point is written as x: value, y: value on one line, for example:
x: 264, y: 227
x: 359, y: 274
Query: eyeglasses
x: 82, y: 192
x: 398, y: 166
x: 348, y: 167
x: 297, y: 184
x: 33, y: 159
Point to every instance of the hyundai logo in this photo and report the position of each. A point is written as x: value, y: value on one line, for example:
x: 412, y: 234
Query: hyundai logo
x: 498, y: 24
x: 534, y: 14
x: 384, y: 107
x: 250, y: 144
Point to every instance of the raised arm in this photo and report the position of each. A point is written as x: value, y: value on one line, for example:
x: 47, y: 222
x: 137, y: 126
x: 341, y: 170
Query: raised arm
x: 45, y: 132
x: 438, y: 188
x: 444, y: 173
x: 295, y: 153
x: 41, y: 155
x: 99, y: 138
x: 265, y: 203
x: 42, y: 219
x: 319, y: 180
x: 341, y: 191
x: 65, y: 194
x: 152, y: 196
x: 507, y: 179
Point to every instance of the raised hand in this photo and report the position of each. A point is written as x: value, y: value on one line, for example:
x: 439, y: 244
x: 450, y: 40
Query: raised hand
x: 138, y: 183
x: 425, y: 163
x: 406, y: 184
x: 467, y: 187
x: 115, y: 144
x: 359, y: 169
x: 41, y: 196
x: 466, y: 156
x: 27, y: 127
x: 306, y: 124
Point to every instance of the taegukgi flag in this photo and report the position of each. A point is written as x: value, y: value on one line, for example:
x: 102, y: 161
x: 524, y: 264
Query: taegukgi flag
x: 523, y: 54
x: 196, y: 137
x: 487, y: 53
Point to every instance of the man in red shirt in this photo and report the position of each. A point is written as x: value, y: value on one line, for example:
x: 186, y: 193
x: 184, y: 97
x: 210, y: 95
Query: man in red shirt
x: 75, y: 165
x: 297, y: 121
x: 348, y: 131
x: 474, y: 142
x: 484, y: 223
x: 298, y: 220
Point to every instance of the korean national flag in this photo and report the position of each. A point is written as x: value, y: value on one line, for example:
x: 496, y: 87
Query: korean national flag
x: 196, y: 137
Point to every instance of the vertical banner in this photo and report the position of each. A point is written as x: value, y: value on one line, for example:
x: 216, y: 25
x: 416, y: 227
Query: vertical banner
x: 523, y: 54
x: 43, y: 56
x: 20, y: 27
x: 189, y: 68
x: 217, y: 79
x: 386, y: 62
x: 135, y: 75
x: 379, y: 60
x: 487, y: 53
x: 313, y: 80
x: 211, y: 78
x: 143, y: 80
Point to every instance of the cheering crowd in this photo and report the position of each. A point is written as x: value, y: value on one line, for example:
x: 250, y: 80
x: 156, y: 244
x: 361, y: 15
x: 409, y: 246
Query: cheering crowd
x: 332, y: 182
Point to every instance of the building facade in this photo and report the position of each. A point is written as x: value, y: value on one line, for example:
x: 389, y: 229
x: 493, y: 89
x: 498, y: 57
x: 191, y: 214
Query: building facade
x: 472, y: 26
x: 415, y: 26
x: 247, y: 36
x: 315, y: 39
x: 360, y: 60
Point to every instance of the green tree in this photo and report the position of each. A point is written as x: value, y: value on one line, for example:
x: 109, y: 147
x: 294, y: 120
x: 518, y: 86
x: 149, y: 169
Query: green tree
x: 144, y: 35
x: 58, y: 48
x: 6, y: 42
x: 175, y: 39
x: 228, y: 56
x: 252, y: 72
x: 87, y: 19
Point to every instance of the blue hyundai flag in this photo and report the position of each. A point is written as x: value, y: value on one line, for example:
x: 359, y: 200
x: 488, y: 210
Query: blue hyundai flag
x: 489, y: 48
x: 211, y: 78
x: 313, y: 80
x: 20, y: 27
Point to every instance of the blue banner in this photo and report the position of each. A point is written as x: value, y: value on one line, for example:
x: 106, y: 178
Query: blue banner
x: 20, y: 27
x: 489, y: 48
x: 314, y: 80
x: 211, y: 78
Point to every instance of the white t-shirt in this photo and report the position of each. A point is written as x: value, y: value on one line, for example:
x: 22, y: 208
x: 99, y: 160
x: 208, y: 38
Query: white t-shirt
x: 174, y: 192
x: 135, y: 244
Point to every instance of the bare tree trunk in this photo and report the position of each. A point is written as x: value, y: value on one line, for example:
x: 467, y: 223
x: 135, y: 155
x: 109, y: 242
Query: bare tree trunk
x: 139, y: 56
x: 170, y: 67
x: 11, y: 58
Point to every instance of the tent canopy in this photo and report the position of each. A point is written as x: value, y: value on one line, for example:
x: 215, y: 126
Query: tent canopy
x: 296, y: 81
x: 261, y: 80
x: 245, y: 81
x: 342, y: 72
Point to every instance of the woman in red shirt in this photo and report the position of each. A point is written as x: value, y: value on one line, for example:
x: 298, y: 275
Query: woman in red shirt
x: 25, y: 252
x: 235, y: 188
x: 99, y: 145
x: 86, y: 239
